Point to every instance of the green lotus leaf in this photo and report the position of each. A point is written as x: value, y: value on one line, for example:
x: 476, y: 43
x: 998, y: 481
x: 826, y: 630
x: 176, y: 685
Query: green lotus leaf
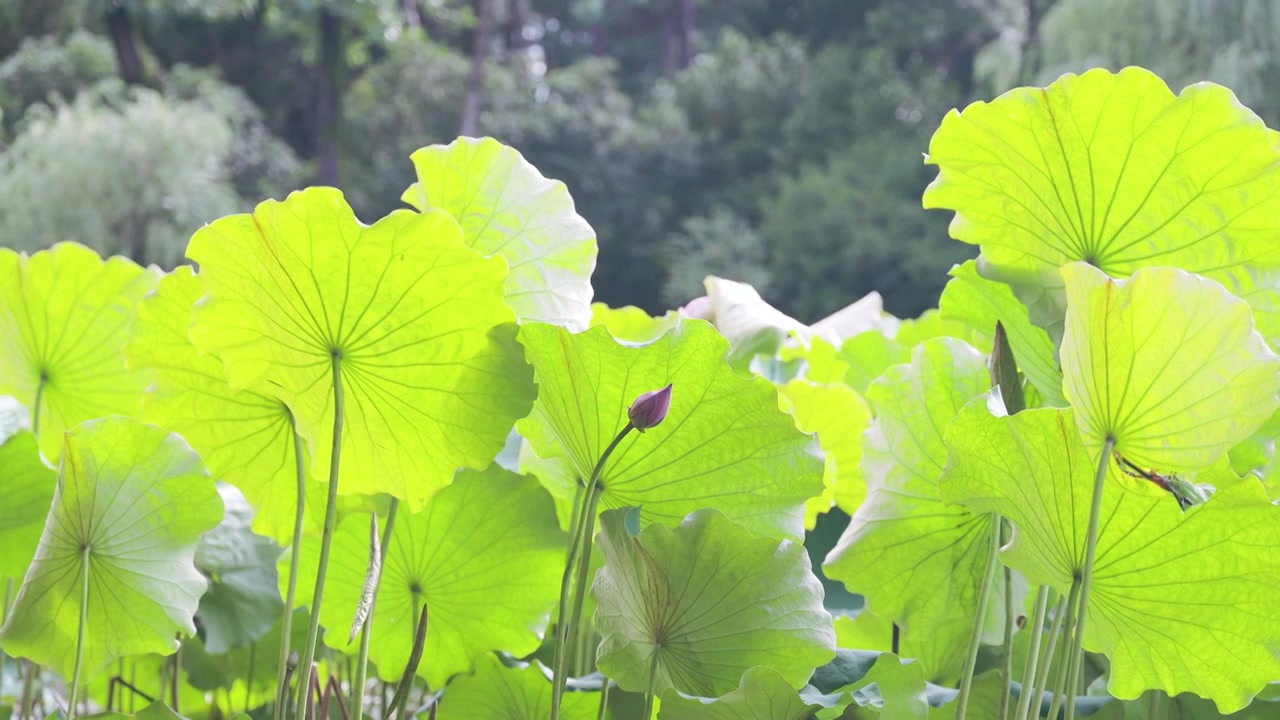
x: 489, y: 586
x: 253, y: 665
x: 1190, y: 707
x: 242, y: 601
x: 245, y: 437
x: 132, y: 501
x: 507, y: 208
x: 878, y: 684
x: 1114, y: 170
x: 702, y: 603
x: 414, y: 320
x: 1167, y: 363
x: 28, y: 490
x: 64, y: 314
x: 980, y: 303
x: 751, y: 325
x: 630, y: 324
x: 557, y: 475
x: 917, y: 560
x: 763, y: 694
x: 941, y: 659
x: 838, y: 416
x: 510, y: 693
x: 1179, y: 602
x: 725, y: 444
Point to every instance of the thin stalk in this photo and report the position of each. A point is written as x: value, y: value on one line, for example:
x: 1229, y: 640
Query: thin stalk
x: 401, y: 698
x: 84, y: 621
x: 1090, y: 549
x: 1068, y: 622
x: 362, y: 662
x: 1033, y: 654
x: 975, y: 633
x: 248, y: 679
x: 35, y: 409
x: 577, y: 565
x: 1007, y: 670
x: 648, y: 696
x: 1046, y: 654
x: 330, y: 519
x: 286, y: 623
x: 4, y: 612
x: 1153, y: 707
x: 604, y: 699
x: 176, y: 676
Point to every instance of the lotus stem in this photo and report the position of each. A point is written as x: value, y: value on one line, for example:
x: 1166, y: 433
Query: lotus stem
x: 577, y: 565
x: 362, y: 661
x: 1033, y: 654
x: 975, y: 633
x: 84, y: 621
x: 1007, y: 669
x: 286, y: 623
x: 1076, y: 660
x: 1068, y: 622
x: 330, y: 519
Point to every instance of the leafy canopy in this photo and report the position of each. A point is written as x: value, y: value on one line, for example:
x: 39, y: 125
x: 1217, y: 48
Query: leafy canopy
x: 1180, y: 602
x: 709, y: 600
x: 64, y: 315
x: 413, y: 319
x: 724, y: 444
x: 485, y: 556
x: 507, y: 208
x: 1114, y: 170
x: 245, y: 437
x: 132, y: 501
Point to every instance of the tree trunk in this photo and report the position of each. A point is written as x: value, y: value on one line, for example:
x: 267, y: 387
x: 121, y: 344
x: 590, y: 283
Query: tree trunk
x: 685, y: 34
x: 670, y: 43
x: 517, y: 21
x: 1029, y: 63
x: 329, y: 96
x: 475, y: 79
x: 125, y: 41
x: 599, y: 36
x: 412, y: 17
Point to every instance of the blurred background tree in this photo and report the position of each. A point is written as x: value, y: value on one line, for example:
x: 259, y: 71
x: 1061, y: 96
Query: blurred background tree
x: 776, y: 142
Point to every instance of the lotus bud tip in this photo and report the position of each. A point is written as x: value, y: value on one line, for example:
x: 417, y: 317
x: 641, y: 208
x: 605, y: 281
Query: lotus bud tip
x: 650, y: 409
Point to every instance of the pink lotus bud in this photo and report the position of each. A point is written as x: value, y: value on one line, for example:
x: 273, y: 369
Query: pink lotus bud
x: 699, y: 308
x: 650, y: 408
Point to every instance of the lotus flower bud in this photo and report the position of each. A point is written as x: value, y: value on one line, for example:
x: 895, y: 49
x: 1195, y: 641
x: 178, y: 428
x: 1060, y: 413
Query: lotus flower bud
x: 650, y: 408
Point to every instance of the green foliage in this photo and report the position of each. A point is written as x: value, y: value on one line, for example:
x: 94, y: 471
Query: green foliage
x: 512, y: 693
x: 44, y: 67
x: 692, y: 608
x: 28, y: 488
x: 720, y: 244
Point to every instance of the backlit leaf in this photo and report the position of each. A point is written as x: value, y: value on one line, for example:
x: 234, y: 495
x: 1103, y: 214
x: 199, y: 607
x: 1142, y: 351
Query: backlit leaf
x: 507, y: 208
x: 64, y: 315
x: 725, y: 444
x: 838, y: 416
x: 132, y: 500
x: 28, y: 490
x: 711, y: 600
x: 763, y: 694
x: 1180, y: 602
x: 432, y: 377
x: 507, y: 693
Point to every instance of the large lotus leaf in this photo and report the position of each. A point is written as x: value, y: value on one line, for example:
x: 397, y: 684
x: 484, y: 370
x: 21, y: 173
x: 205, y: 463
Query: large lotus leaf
x: 1167, y: 363
x: 631, y: 324
x: 507, y: 208
x: 431, y: 375
x: 751, y: 325
x: 710, y: 599
x: 498, y: 692
x: 917, y: 560
x: 28, y: 490
x: 874, y: 685
x: 862, y: 358
x: 245, y: 437
x: 838, y: 416
x: 486, y: 556
x: 763, y: 694
x: 1179, y: 602
x: 242, y: 601
x: 1190, y: 707
x: 64, y: 315
x: 1114, y: 170
x: 981, y: 303
x: 252, y: 668
x: 131, y: 502
x: 725, y: 444
x: 941, y: 659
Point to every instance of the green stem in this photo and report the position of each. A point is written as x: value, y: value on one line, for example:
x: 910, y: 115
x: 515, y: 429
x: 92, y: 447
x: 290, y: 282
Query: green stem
x: 1090, y: 549
x: 648, y: 696
x: 362, y: 662
x: 1068, y: 622
x: 330, y: 519
x: 286, y: 623
x: 1007, y: 647
x: 1033, y: 654
x: 27, y: 681
x: 1046, y: 654
x: 1153, y: 707
x: 975, y: 633
x: 175, y: 677
x: 35, y: 410
x: 84, y: 621
x: 577, y: 565
x: 4, y: 612
x: 604, y: 699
